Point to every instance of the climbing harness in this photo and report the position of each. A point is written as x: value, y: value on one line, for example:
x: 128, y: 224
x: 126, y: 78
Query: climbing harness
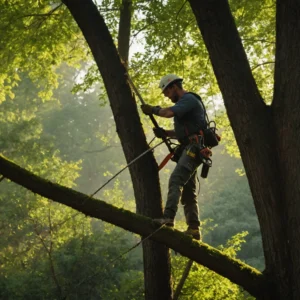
x: 211, y: 138
x: 205, y: 139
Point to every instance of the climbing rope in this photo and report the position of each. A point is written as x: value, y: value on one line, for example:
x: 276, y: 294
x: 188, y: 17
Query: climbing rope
x: 128, y: 165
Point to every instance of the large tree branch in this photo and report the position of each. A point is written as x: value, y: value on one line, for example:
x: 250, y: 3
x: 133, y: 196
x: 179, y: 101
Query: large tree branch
x: 249, y: 278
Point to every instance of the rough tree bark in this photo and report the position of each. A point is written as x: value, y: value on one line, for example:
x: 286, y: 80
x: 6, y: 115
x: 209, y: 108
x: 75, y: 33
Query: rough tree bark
x: 157, y: 271
x: 267, y: 136
x: 286, y: 112
x: 250, y: 279
x: 124, y: 30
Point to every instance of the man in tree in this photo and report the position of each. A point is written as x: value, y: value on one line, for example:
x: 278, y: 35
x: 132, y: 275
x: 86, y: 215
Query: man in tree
x: 189, y: 119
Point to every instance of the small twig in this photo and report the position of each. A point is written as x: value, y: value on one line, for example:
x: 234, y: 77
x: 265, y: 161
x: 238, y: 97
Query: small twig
x: 258, y: 40
x: 49, y: 253
x: 264, y: 63
x: 54, y: 226
x: 108, y: 9
x: 39, y: 15
x: 181, y: 8
x: 142, y: 29
x: 99, y: 150
x: 44, y: 15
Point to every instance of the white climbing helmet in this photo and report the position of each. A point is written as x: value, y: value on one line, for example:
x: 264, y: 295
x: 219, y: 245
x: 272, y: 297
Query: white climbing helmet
x: 166, y: 80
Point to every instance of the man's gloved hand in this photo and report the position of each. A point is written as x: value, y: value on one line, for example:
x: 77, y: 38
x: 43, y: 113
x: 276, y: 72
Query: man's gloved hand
x: 159, y: 132
x: 149, y: 109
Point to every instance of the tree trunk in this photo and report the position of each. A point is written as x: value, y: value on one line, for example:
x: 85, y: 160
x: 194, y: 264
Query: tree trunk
x: 286, y: 111
x: 271, y: 170
x: 144, y: 173
x: 124, y: 30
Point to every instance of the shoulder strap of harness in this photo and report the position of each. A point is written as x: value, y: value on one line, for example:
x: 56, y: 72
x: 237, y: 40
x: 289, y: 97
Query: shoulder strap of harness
x: 199, y: 98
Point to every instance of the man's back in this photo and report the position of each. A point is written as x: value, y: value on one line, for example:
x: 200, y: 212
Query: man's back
x: 189, y: 116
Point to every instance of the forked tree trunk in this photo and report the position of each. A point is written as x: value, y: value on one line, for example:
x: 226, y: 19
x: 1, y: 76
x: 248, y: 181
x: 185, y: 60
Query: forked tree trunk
x: 144, y: 173
x: 267, y: 136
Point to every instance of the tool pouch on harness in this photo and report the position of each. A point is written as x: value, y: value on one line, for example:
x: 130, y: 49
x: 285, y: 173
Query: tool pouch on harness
x: 195, y: 154
x: 211, y: 138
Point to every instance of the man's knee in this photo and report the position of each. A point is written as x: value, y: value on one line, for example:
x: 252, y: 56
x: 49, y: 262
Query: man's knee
x: 180, y: 176
x: 189, y: 201
x: 189, y: 195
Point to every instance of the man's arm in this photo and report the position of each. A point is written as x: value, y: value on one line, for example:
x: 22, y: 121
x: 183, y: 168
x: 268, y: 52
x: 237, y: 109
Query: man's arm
x: 157, y: 110
x: 166, y: 112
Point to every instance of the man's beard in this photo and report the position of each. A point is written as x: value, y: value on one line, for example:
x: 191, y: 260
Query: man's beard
x: 175, y: 98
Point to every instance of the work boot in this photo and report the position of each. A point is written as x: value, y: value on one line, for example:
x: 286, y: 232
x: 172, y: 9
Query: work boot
x: 193, y: 232
x: 165, y: 221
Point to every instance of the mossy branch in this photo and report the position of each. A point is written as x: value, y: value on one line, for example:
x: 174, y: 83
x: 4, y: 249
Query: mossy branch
x: 247, y: 277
